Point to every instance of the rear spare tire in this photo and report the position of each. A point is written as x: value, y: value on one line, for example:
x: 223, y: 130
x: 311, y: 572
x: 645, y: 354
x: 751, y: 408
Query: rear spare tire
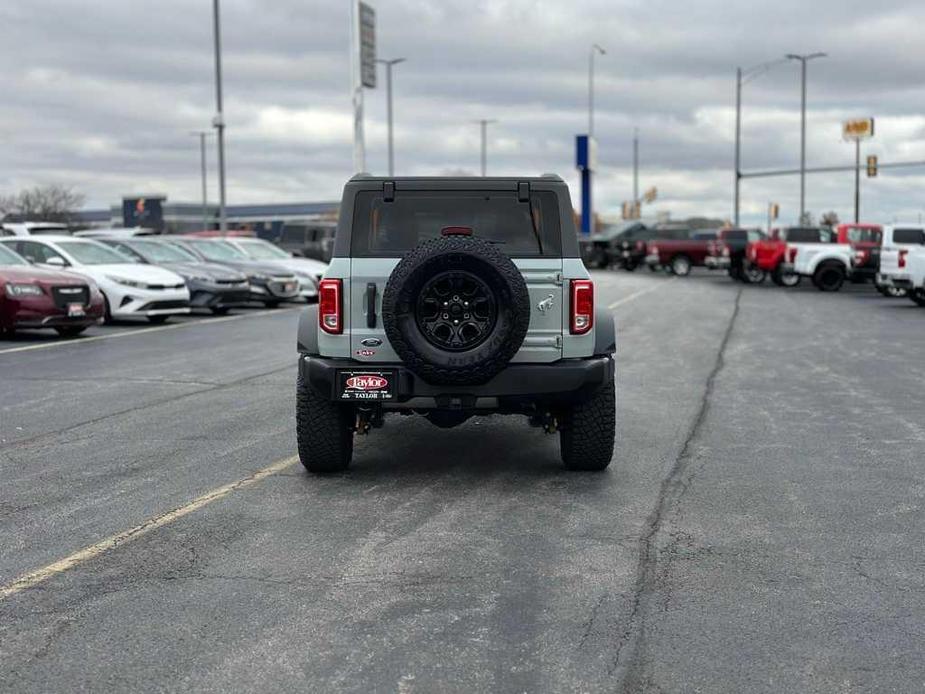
x: 456, y: 310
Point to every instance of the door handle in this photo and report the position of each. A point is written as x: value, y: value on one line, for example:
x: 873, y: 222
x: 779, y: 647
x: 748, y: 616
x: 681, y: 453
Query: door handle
x: 371, y: 305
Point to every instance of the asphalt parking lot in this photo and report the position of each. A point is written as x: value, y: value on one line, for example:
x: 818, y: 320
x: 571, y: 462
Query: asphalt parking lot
x: 760, y: 529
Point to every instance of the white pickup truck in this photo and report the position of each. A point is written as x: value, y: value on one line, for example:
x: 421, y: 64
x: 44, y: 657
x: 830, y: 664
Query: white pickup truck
x: 824, y: 261
x: 902, y: 260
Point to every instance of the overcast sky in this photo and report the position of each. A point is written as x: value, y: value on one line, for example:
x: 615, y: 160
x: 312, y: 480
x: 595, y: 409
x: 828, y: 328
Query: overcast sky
x: 102, y: 95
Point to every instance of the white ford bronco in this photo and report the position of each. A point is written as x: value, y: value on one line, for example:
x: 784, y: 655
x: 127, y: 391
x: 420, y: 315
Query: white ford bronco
x: 451, y: 298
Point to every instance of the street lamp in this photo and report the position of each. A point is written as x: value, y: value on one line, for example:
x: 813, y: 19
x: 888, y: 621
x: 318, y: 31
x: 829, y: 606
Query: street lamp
x: 743, y: 77
x: 483, y: 124
x: 219, y: 121
x: 803, y: 60
x: 595, y: 48
x: 202, y: 135
x: 388, y: 87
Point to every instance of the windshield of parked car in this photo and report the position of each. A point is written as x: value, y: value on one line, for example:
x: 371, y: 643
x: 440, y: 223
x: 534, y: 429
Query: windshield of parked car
x: 8, y: 257
x: 90, y: 253
x: 909, y: 236
x: 519, y: 228
x: 261, y: 250
x: 856, y: 235
x: 217, y: 250
x: 155, y: 252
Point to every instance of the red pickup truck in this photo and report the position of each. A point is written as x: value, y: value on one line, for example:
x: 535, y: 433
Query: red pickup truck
x: 679, y: 256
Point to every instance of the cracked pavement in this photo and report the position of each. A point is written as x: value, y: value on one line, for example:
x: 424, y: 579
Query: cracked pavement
x: 760, y: 529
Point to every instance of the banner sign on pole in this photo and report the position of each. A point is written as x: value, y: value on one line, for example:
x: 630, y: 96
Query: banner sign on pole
x: 858, y: 129
x: 367, y: 46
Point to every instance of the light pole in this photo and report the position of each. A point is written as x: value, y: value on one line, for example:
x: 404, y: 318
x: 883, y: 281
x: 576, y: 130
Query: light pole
x: 219, y: 121
x: 635, y: 165
x: 388, y: 88
x: 743, y: 77
x: 803, y: 60
x: 202, y: 135
x: 483, y: 125
x: 595, y: 48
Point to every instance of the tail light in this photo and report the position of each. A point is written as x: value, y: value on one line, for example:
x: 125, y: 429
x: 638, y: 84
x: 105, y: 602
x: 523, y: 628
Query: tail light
x: 581, y: 307
x: 330, y: 312
x: 653, y: 250
x: 902, y: 258
x: 640, y: 245
x: 860, y: 258
x: 791, y: 255
x: 725, y: 251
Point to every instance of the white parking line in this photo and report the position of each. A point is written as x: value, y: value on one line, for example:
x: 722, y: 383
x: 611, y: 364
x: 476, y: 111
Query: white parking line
x: 129, y: 332
x: 641, y: 292
x: 38, y: 576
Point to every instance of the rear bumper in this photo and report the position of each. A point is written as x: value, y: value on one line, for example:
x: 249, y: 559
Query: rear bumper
x: 567, y: 380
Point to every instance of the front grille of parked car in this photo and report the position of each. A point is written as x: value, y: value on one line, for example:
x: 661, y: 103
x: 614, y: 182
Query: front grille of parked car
x: 161, y: 287
x: 278, y: 285
x: 157, y: 305
x: 232, y: 283
x: 70, y: 295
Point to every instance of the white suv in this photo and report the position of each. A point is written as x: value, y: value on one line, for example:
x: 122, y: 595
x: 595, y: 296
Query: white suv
x: 902, y: 260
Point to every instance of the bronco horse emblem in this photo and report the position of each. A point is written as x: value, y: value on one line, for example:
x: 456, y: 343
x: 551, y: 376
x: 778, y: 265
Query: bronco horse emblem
x: 545, y: 304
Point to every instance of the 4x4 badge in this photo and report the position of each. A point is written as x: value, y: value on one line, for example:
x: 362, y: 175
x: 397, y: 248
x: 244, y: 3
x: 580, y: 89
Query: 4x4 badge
x: 545, y: 304
x: 371, y: 342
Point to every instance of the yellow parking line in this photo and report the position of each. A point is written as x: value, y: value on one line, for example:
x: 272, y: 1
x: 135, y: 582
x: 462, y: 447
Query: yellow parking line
x: 641, y: 292
x: 142, y: 331
x: 34, y: 578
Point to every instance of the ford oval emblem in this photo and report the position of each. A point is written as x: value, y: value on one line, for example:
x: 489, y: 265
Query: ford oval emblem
x: 371, y: 342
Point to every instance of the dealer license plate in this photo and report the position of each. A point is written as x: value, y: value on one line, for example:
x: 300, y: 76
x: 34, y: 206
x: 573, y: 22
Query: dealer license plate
x: 76, y: 311
x: 366, y: 385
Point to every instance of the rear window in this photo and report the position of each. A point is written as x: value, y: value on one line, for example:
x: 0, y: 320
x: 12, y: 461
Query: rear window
x: 864, y: 235
x: 909, y: 236
x: 807, y: 235
x: 520, y: 229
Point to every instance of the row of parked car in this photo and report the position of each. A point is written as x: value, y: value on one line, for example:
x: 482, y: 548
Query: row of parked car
x: 70, y: 282
x: 891, y: 257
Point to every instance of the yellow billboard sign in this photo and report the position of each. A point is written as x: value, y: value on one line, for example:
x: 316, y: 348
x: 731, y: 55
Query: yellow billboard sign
x: 858, y: 129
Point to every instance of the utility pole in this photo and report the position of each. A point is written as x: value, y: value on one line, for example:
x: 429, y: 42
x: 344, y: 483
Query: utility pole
x: 803, y: 60
x: 738, y: 151
x: 202, y: 135
x: 388, y: 88
x: 857, y: 180
x: 594, y: 49
x: 483, y: 124
x: 636, y: 165
x: 219, y: 121
x: 356, y: 89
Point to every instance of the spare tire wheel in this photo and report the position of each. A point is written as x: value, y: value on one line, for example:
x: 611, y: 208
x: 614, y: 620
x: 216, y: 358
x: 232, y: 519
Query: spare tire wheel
x: 456, y: 310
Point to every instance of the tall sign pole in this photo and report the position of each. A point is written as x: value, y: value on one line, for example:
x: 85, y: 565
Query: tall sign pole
x: 803, y: 60
x: 738, y: 147
x: 857, y: 130
x: 363, y: 72
x: 219, y: 121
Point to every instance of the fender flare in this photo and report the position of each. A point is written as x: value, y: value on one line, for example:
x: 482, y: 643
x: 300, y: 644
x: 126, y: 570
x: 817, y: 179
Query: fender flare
x: 827, y: 257
x: 307, y: 341
x: 605, y: 333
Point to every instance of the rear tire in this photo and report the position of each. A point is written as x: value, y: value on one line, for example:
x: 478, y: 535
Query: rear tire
x: 892, y: 292
x: 753, y: 275
x: 324, y: 431
x: 70, y: 330
x: 785, y: 280
x: 918, y: 296
x: 829, y: 277
x: 586, y: 437
x: 681, y: 266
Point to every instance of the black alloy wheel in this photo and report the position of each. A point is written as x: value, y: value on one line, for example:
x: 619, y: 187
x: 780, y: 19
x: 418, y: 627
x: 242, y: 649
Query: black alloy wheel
x: 456, y: 311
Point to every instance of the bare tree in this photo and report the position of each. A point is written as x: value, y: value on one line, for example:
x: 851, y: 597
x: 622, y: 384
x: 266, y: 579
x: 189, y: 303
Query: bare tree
x: 829, y: 219
x: 51, y: 203
x: 807, y: 219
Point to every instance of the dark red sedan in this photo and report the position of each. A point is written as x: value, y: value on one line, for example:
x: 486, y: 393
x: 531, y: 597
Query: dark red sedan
x: 31, y: 297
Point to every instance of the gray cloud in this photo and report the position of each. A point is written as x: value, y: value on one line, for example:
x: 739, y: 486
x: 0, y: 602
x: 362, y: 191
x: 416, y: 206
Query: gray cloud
x: 102, y: 95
